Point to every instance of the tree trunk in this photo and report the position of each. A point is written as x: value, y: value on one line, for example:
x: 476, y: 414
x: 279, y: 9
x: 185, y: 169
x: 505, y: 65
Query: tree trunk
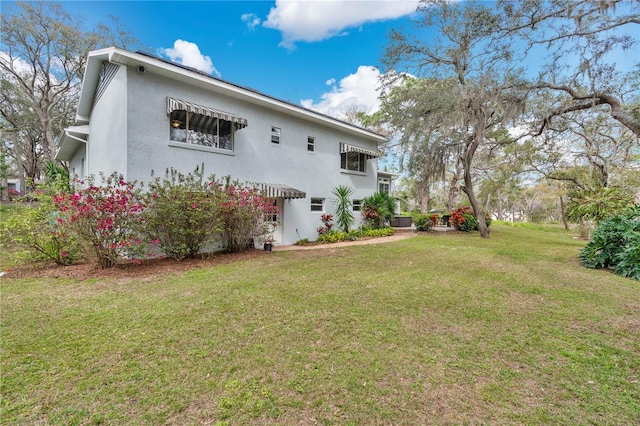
x: 471, y: 147
x: 454, y: 190
x: 564, y: 218
x: 499, y: 207
x: 4, y: 166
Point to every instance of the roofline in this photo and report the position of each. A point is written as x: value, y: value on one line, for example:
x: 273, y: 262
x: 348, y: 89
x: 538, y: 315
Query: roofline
x: 161, y: 66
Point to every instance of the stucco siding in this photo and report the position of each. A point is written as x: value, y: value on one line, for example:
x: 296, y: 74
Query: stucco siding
x: 130, y: 134
x: 77, y: 163
x: 107, y: 143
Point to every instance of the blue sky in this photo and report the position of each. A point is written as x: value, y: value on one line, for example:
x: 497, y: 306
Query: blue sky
x: 321, y: 54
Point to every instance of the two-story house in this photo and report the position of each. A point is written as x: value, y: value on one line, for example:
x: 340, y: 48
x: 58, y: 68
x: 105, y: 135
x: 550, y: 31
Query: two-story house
x: 138, y: 113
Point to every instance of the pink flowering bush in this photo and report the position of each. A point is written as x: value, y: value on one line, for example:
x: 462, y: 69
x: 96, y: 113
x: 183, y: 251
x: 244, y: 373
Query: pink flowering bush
x: 247, y: 214
x: 104, y: 219
x: 184, y: 213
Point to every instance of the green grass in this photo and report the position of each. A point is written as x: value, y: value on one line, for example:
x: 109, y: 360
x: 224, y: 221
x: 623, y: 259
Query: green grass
x: 548, y: 227
x: 436, y: 329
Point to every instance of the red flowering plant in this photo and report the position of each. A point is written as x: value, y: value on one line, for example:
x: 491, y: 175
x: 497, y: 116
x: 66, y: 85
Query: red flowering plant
x: 327, y: 224
x: 104, y: 219
x: 247, y: 214
x: 464, y: 219
x: 183, y: 213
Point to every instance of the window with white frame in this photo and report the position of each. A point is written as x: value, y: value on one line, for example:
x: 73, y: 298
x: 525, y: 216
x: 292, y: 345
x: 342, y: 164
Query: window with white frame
x: 311, y: 144
x: 317, y: 204
x: 200, y: 130
x: 384, y: 185
x: 275, y: 135
x: 353, y: 161
x: 357, y: 205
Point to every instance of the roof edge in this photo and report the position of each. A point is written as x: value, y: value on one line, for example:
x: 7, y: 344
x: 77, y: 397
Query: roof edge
x: 124, y: 57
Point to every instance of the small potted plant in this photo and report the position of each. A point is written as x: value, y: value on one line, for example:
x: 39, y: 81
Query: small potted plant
x: 268, y: 243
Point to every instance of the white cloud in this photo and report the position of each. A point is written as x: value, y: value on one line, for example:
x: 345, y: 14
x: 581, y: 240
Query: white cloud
x: 315, y: 20
x: 251, y: 19
x: 187, y: 53
x: 360, y: 90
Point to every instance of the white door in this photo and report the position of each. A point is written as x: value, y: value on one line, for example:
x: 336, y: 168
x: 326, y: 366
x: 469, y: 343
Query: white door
x: 277, y: 218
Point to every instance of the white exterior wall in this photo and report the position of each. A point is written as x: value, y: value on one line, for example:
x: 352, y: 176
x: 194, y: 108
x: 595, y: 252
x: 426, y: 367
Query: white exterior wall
x: 107, y: 142
x: 77, y: 164
x: 130, y: 134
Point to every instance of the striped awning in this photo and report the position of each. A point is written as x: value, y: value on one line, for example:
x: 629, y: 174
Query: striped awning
x: 178, y: 105
x: 351, y: 148
x: 277, y: 190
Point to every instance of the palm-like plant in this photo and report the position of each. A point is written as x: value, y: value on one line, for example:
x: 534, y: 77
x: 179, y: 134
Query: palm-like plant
x: 380, y: 208
x: 343, y: 203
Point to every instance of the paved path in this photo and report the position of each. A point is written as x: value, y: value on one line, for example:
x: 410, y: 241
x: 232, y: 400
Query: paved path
x: 395, y: 237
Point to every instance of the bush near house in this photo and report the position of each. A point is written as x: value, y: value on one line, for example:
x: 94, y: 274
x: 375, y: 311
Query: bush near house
x: 327, y: 224
x: 615, y: 244
x: 244, y: 210
x: 335, y: 236
x: 104, y: 219
x: 117, y: 220
x: 423, y: 222
x: 378, y: 209
x: 183, y: 212
x: 464, y: 219
x: 35, y: 229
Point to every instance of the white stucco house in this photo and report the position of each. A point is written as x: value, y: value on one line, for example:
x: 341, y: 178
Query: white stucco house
x: 139, y: 113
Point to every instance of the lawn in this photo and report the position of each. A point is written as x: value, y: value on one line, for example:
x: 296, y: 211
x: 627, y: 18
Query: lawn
x: 435, y: 329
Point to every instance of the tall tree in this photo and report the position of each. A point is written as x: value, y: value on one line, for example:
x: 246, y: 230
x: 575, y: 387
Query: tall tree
x: 465, y: 53
x: 44, y: 51
x: 580, y: 39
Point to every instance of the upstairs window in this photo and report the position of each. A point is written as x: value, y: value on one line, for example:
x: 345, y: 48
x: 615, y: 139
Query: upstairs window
x: 275, y: 135
x: 353, y: 161
x: 199, y: 125
x: 200, y: 130
x: 311, y: 144
x: 354, y: 158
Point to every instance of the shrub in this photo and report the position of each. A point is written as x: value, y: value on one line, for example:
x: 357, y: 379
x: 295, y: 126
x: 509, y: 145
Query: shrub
x: 36, y: 229
x: 598, y: 204
x: 327, y: 224
x: 379, y: 232
x: 332, y: 236
x: 423, y: 222
x: 464, y: 219
x: 183, y: 213
x: 104, y: 219
x: 615, y: 244
x: 363, y: 232
x: 378, y: 209
x: 246, y: 215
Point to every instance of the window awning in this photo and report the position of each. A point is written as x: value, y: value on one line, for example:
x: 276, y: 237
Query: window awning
x: 178, y: 105
x: 277, y: 190
x: 351, y: 148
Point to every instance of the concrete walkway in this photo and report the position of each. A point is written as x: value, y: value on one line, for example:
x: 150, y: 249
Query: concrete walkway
x: 403, y: 235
